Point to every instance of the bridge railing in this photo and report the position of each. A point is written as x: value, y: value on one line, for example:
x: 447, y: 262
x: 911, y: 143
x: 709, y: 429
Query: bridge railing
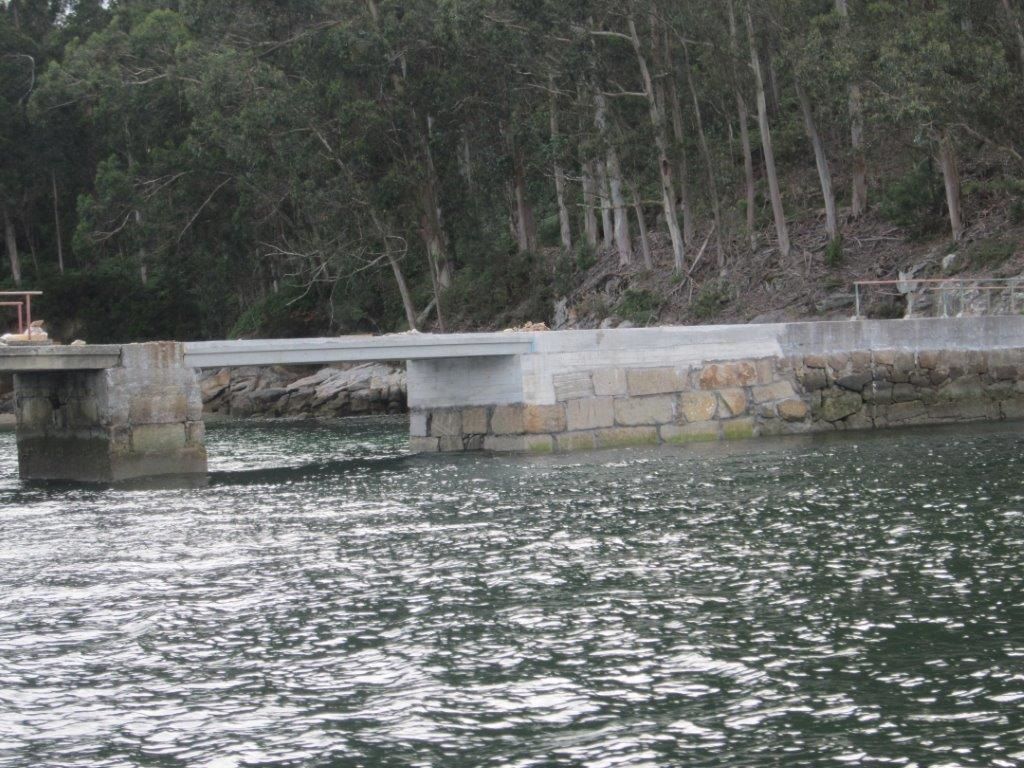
x: 945, y: 297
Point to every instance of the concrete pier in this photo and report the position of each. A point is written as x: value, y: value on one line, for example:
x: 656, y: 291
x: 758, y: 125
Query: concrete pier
x: 108, y: 413
x: 140, y: 416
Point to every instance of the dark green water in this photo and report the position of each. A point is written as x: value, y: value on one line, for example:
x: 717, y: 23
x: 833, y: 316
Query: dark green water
x: 329, y: 601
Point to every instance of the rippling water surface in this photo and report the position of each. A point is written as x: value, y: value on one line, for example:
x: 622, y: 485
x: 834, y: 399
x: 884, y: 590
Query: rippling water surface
x: 329, y: 601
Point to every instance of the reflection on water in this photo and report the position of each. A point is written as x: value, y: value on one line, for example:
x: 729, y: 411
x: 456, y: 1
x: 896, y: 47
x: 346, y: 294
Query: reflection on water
x: 327, y: 600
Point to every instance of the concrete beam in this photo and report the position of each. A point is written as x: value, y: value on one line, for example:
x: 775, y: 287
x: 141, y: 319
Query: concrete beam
x: 56, y: 358
x: 344, y: 349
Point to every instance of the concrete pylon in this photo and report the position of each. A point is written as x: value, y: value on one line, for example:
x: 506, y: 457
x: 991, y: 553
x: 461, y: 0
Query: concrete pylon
x: 142, y: 417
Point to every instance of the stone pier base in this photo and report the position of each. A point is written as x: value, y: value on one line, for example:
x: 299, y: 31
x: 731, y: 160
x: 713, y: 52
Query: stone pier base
x: 140, y: 418
x: 612, y: 390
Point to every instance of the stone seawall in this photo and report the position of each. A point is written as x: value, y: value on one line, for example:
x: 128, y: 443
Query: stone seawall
x: 615, y: 406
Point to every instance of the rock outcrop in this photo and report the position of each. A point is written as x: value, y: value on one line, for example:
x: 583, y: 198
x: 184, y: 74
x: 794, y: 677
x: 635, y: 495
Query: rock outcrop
x: 275, y: 391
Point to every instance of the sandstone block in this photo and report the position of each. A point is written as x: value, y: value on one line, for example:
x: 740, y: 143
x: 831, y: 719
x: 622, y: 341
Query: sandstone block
x: 885, y: 357
x: 901, y: 413
x: 838, y: 406
x: 780, y: 390
x: 474, y: 421
x: 541, y: 419
x: 728, y: 375
x: 158, y: 438
x: 738, y: 429
x: 766, y: 370
x: 507, y: 420
x: 903, y: 393
x: 813, y: 379
x: 539, y: 443
x: 794, y: 410
x: 504, y: 443
x: 158, y: 407
x: 1003, y: 372
x: 855, y: 382
x: 590, y: 413
x: 878, y: 393
x: 634, y: 411
x: 419, y: 423
x: 575, y: 441
x: 860, y: 360
x: 609, y: 381
x: 701, y: 432
x: 195, y: 434
x: 473, y: 442
x: 655, y: 381
x: 572, y: 385
x: 623, y: 437
x: 699, y: 406
x: 735, y: 401
x: 1012, y: 409
x: 419, y: 444
x: 444, y: 423
x: 814, y: 361
x: 450, y: 444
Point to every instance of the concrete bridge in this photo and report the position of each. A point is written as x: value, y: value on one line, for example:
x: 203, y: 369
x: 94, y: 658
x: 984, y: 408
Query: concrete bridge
x: 111, y: 412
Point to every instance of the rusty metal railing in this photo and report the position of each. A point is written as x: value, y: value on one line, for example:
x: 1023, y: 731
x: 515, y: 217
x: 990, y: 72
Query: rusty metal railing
x: 23, y: 302
x: 945, y: 287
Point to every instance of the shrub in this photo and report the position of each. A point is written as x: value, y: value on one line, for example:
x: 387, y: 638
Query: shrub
x: 915, y: 201
x: 834, y: 252
x: 639, y: 306
x: 988, y: 254
x: 711, y: 298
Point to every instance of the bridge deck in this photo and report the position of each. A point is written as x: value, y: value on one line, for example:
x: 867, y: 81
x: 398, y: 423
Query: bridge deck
x: 225, y: 354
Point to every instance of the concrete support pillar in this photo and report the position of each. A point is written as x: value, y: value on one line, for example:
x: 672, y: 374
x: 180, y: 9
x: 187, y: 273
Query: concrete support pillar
x: 142, y: 417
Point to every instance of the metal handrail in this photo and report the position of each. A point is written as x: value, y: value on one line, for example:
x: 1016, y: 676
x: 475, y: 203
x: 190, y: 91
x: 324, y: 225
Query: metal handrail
x: 24, y: 304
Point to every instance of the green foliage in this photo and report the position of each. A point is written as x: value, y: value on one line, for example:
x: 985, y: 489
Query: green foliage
x: 710, y: 299
x: 1017, y: 211
x: 586, y: 257
x: 915, y: 201
x: 989, y: 253
x: 289, y: 312
x: 639, y: 306
x: 834, y: 252
x: 110, y: 305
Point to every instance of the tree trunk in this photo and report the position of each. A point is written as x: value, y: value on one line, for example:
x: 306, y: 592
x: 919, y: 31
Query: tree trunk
x: 951, y: 181
x: 526, y: 229
x: 668, y: 193
x: 645, y: 245
x: 564, y: 226
x: 589, y: 204
x: 1019, y: 29
x: 12, y: 248
x: 607, y: 232
x: 741, y: 111
x: 623, y: 238
x: 859, y: 200
x: 821, y: 161
x: 56, y: 224
x: 712, y: 183
x: 434, y: 235
x: 766, y: 143
x: 678, y: 133
x: 403, y: 290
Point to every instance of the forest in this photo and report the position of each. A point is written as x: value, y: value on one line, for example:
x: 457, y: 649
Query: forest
x: 234, y: 168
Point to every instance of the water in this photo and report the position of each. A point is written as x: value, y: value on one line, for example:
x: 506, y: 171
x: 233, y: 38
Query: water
x: 329, y: 601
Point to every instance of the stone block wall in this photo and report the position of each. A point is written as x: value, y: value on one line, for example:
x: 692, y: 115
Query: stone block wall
x: 789, y: 394
x: 143, y: 417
